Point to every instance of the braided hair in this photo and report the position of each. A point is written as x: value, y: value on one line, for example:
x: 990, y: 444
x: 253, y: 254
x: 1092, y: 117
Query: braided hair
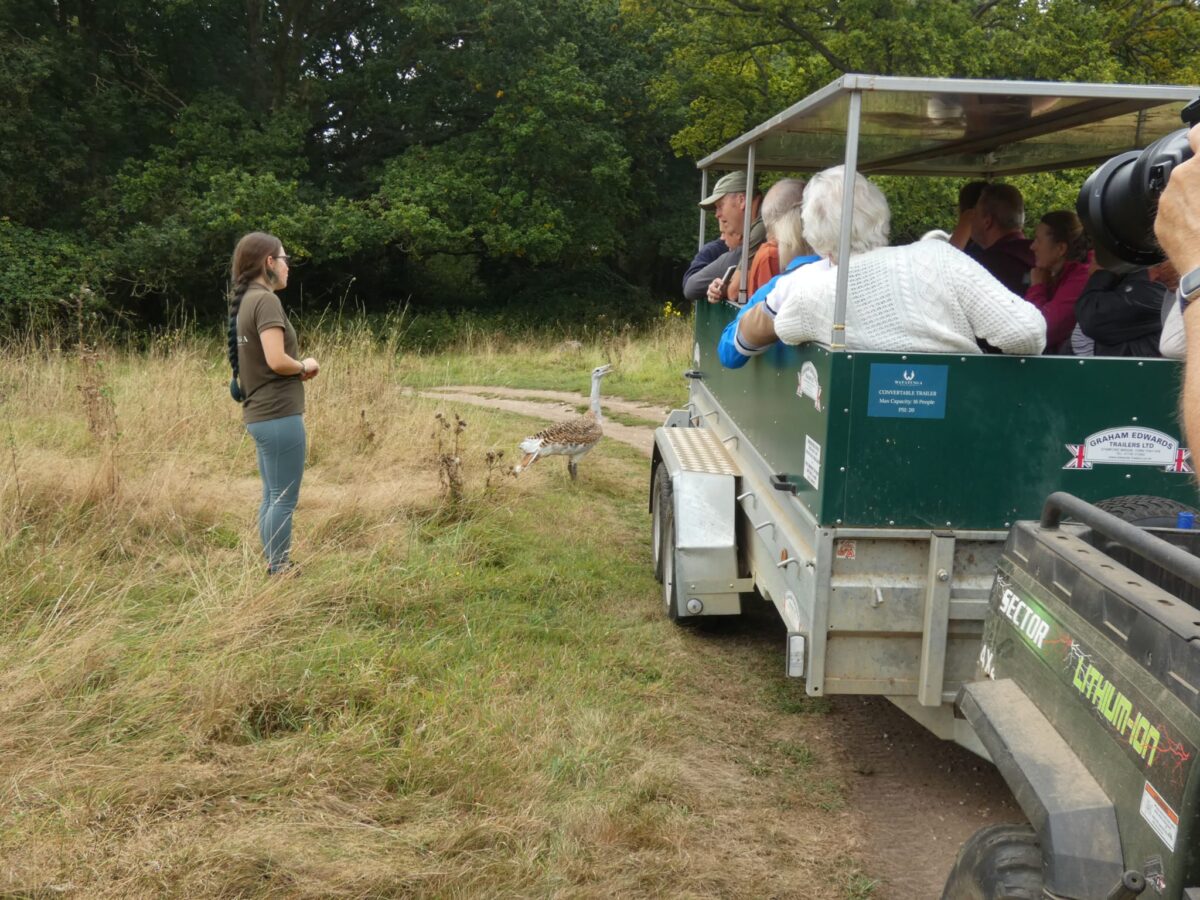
x: 245, y: 268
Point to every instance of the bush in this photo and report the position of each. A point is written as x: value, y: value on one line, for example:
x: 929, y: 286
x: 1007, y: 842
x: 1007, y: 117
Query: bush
x: 40, y: 269
x: 581, y: 300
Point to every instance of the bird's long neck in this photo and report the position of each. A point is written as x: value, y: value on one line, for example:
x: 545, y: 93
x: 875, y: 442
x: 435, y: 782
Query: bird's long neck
x: 596, y: 398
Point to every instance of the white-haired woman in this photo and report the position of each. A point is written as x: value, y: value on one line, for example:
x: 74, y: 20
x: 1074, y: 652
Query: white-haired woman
x: 753, y: 331
x: 923, y: 297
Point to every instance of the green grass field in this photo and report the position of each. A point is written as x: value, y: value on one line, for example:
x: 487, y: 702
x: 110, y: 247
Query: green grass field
x: 471, y: 698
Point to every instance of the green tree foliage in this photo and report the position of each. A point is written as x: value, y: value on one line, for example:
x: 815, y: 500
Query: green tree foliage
x: 376, y: 138
x: 734, y: 63
x: 443, y: 150
x: 43, y: 271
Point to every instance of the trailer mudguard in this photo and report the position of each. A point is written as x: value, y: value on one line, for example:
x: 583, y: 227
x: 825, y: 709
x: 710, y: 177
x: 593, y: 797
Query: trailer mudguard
x: 703, y: 483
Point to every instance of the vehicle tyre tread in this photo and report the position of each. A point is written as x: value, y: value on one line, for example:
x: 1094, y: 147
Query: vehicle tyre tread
x: 666, y: 506
x: 999, y: 862
x: 656, y: 503
x: 1144, y: 510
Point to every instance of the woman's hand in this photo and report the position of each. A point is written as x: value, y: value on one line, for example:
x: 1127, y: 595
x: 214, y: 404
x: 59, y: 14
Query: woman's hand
x: 310, y: 369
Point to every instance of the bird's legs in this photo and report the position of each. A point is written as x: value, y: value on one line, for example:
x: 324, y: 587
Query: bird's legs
x: 572, y: 468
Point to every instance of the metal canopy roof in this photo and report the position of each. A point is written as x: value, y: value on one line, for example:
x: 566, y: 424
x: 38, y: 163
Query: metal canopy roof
x: 944, y: 126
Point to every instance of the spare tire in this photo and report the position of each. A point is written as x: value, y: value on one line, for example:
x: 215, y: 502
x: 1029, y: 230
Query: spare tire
x: 1145, y: 511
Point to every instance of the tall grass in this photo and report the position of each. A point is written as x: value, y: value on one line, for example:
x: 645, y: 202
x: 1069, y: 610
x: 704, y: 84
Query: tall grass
x: 469, y: 700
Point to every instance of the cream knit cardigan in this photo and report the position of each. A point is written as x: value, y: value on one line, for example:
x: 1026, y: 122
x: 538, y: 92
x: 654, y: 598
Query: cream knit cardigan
x: 926, y: 297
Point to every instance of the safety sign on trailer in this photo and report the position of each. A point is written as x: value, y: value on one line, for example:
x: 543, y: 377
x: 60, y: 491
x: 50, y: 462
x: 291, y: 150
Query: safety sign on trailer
x: 812, y: 462
x: 1131, y: 445
x: 907, y: 392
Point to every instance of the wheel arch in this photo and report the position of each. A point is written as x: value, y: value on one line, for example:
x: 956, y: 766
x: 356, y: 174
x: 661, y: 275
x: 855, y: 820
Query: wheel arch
x: 1075, y: 820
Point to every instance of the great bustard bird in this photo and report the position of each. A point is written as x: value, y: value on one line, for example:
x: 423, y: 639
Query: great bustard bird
x: 573, y: 438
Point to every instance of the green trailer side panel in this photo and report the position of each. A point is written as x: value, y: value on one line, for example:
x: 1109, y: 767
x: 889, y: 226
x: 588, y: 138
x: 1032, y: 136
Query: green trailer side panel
x: 998, y: 444
x: 762, y: 399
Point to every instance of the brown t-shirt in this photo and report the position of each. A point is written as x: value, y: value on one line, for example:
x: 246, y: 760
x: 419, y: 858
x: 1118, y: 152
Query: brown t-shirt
x: 271, y: 396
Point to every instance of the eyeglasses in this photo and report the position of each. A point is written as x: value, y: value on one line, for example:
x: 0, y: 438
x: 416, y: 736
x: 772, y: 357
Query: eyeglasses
x: 287, y: 259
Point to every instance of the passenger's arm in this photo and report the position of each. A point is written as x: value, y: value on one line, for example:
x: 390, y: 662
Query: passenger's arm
x: 750, y: 334
x: 734, y: 349
x: 1178, y: 230
x: 1172, y: 343
x: 1113, y: 309
x: 805, y: 311
x: 961, y: 235
x: 735, y: 283
x: 696, y: 287
x: 703, y: 257
x: 727, y: 349
x: 997, y: 315
x: 757, y: 331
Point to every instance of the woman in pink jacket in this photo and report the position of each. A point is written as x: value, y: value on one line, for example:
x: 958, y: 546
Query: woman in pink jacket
x: 1059, y: 275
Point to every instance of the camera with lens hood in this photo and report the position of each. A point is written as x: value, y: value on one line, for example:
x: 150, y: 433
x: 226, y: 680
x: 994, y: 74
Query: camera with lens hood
x: 1118, y: 202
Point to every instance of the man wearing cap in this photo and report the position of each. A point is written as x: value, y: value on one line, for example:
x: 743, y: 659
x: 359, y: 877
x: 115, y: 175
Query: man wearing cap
x: 784, y: 195
x: 728, y: 202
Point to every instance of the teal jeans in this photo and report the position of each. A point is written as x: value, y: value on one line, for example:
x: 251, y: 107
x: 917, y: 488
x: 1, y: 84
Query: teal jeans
x: 281, y: 446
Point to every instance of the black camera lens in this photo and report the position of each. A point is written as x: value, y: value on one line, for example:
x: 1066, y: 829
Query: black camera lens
x: 1119, y: 201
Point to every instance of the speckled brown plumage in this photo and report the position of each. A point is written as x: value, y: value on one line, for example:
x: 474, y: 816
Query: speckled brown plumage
x: 572, y: 439
x: 581, y: 430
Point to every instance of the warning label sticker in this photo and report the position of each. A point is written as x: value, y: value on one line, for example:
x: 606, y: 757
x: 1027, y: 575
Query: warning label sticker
x: 812, y: 462
x: 1162, y: 819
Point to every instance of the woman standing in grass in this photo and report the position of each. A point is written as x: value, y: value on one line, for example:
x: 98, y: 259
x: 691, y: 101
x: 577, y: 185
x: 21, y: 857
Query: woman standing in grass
x: 268, y: 372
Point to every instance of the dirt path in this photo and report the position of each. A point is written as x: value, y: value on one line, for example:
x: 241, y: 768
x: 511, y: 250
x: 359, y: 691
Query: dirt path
x: 557, y: 406
x: 915, y: 798
x: 918, y: 797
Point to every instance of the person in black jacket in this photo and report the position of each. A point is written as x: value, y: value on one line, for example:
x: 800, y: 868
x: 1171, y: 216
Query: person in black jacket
x: 1119, y: 314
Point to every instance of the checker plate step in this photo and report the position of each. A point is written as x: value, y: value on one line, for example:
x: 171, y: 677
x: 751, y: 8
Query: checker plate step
x: 699, y: 450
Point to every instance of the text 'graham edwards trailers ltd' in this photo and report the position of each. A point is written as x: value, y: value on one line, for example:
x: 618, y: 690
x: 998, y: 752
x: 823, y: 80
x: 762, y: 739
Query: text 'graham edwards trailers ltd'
x: 869, y: 497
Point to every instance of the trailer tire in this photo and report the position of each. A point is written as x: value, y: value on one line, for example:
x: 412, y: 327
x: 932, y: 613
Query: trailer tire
x: 1145, y: 511
x: 670, y: 592
x: 1000, y: 862
x: 660, y: 499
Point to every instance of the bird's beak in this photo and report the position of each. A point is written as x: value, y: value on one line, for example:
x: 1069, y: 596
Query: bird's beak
x: 604, y: 370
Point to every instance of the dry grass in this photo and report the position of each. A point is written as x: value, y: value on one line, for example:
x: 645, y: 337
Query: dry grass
x: 480, y: 701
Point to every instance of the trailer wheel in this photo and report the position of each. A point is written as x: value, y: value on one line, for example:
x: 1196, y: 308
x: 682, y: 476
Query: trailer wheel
x: 1000, y: 862
x: 666, y: 553
x: 1145, y: 511
x: 660, y: 499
